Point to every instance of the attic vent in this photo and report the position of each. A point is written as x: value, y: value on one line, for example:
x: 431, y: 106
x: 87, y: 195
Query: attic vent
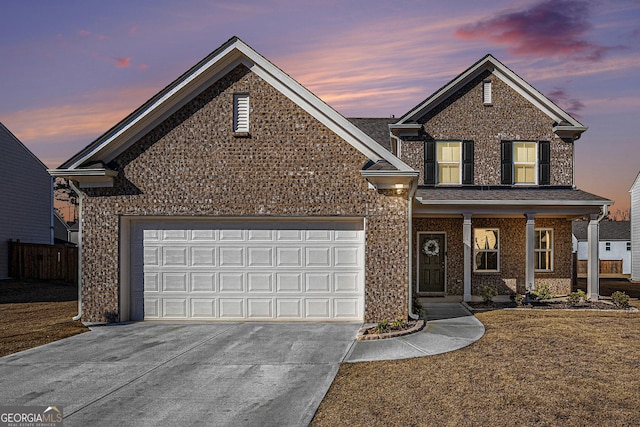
x: 486, y: 92
x: 241, y: 113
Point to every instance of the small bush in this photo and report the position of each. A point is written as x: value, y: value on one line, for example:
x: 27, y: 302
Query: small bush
x: 382, y: 327
x: 418, y: 308
x: 519, y: 299
x: 397, y: 324
x: 577, y: 298
x: 542, y: 292
x: 488, y: 293
x: 620, y: 299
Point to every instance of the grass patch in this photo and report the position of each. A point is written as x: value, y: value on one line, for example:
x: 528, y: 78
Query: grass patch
x: 36, y: 313
x: 530, y: 368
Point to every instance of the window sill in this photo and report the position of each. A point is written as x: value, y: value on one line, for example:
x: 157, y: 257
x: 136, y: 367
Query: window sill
x: 486, y: 273
x: 241, y: 135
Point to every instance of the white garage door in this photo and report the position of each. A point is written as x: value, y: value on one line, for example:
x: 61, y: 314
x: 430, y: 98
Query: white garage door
x: 249, y: 270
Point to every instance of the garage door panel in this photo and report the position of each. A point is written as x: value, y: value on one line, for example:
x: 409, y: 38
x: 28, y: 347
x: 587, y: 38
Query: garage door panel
x: 231, y: 282
x: 232, y: 308
x: 203, y: 308
x: 289, y: 282
x: 238, y: 269
x: 203, y: 282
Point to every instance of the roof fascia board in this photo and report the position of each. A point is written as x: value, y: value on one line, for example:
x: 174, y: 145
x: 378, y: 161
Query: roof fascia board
x: 156, y: 105
x: 505, y: 74
x: 428, y: 202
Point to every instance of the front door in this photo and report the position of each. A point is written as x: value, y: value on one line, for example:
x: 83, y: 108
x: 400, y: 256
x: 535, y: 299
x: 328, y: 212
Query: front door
x: 431, y: 258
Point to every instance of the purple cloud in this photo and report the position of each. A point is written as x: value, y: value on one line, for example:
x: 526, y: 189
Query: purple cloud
x: 562, y: 99
x: 549, y: 28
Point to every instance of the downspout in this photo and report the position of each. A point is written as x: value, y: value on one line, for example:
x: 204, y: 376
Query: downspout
x: 79, y: 193
x: 412, y: 193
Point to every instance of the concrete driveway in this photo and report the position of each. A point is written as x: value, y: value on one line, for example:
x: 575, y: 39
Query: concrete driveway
x: 160, y: 374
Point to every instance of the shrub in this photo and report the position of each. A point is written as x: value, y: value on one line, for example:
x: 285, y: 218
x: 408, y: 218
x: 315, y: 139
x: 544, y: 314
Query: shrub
x: 382, y: 327
x: 519, y: 299
x: 577, y: 298
x: 418, y: 308
x: 397, y: 324
x: 542, y: 292
x: 488, y: 293
x: 620, y: 299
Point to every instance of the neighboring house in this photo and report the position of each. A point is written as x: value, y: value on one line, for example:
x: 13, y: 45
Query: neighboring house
x: 63, y: 231
x: 614, y: 248
x: 235, y: 193
x: 26, y: 213
x: 635, y: 229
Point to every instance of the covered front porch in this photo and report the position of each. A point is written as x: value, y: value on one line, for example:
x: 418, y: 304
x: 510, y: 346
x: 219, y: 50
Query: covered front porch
x: 513, y: 239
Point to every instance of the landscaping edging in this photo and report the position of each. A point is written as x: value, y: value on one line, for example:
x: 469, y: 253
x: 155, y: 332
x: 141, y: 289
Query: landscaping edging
x: 364, y: 336
x: 546, y: 308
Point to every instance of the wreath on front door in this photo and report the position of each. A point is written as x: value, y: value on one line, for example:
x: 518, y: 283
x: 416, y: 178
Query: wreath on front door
x: 431, y: 248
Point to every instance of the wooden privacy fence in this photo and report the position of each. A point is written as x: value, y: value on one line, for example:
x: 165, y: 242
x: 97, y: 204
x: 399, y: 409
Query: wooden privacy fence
x: 607, y: 267
x: 44, y: 262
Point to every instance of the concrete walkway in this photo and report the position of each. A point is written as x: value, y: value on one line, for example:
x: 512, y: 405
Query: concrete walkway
x: 450, y: 326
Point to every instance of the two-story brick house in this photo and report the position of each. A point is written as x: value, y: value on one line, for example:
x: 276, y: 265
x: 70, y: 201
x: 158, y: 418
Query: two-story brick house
x: 237, y: 194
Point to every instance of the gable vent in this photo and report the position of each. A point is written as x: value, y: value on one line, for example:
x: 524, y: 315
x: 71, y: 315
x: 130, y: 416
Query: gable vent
x: 486, y: 92
x: 241, y: 113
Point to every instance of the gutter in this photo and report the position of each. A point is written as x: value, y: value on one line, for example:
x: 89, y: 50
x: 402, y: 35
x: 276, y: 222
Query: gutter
x: 412, y: 192
x: 79, y: 193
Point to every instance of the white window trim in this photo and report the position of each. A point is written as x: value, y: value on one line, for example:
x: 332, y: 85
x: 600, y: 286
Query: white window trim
x: 551, y: 250
x: 241, y: 108
x: 514, y: 163
x: 476, y: 251
x: 459, y: 163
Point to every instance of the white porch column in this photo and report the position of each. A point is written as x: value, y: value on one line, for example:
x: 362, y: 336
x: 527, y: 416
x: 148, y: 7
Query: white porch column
x: 468, y: 254
x: 530, y: 252
x: 593, y: 262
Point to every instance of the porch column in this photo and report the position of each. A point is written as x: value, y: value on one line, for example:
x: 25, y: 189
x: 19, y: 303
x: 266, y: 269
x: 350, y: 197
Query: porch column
x: 593, y: 263
x: 530, y: 252
x: 468, y: 254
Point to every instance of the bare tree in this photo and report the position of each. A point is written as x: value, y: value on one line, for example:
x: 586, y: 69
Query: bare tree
x: 67, y: 198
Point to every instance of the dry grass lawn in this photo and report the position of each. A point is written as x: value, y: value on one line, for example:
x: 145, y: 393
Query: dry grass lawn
x: 531, y: 368
x: 33, y: 313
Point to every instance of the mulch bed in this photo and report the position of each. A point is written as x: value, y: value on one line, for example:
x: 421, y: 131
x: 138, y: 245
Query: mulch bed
x: 546, y: 305
x: 372, y: 333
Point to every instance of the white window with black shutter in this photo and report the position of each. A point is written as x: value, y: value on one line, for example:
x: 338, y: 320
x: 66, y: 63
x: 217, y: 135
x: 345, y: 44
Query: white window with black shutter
x: 526, y: 163
x: 448, y: 162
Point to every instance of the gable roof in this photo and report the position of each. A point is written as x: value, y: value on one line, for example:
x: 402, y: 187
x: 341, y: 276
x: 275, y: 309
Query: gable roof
x: 608, y: 230
x: 566, y: 124
x: 636, y: 183
x: 19, y: 143
x: 376, y: 128
x: 186, y: 87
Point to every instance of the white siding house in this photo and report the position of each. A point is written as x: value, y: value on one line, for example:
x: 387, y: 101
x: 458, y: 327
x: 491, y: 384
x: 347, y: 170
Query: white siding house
x: 26, y: 212
x: 614, y: 243
x: 635, y: 229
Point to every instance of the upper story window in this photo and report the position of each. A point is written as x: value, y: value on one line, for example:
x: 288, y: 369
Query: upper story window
x: 241, y: 113
x: 486, y: 249
x: 486, y: 92
x: 525, y: 160
x: 448, y: 158
x: 526, y: 163
x: 448, y: 162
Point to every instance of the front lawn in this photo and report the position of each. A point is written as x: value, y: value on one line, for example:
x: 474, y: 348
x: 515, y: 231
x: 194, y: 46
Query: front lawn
x: 33, y: 313
x: 531, y: 368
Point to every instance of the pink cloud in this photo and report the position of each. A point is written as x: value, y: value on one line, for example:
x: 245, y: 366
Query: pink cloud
x: 549, y: 28
x: 84, y: 33
x: 133, y: 30
x: 123, y: 62
x: 566, y: 102
x: 143, y: 66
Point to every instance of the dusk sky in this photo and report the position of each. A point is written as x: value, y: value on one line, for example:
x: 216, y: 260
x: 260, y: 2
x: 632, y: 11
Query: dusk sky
x: 72, y: 69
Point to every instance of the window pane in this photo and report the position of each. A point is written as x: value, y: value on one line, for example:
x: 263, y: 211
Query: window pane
x: 448, y: 152
x: 486, y: 238
x: 524, y: 152
x: 449, y: 174
x: 492, y: 260
x: 481, y: 261
x: 525, y: 174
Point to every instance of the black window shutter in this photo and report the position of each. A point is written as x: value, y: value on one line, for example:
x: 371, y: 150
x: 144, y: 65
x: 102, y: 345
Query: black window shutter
x: 544, y: 163
x: 467, y: 162
x: 507, y: 163
x: 430, y: 162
